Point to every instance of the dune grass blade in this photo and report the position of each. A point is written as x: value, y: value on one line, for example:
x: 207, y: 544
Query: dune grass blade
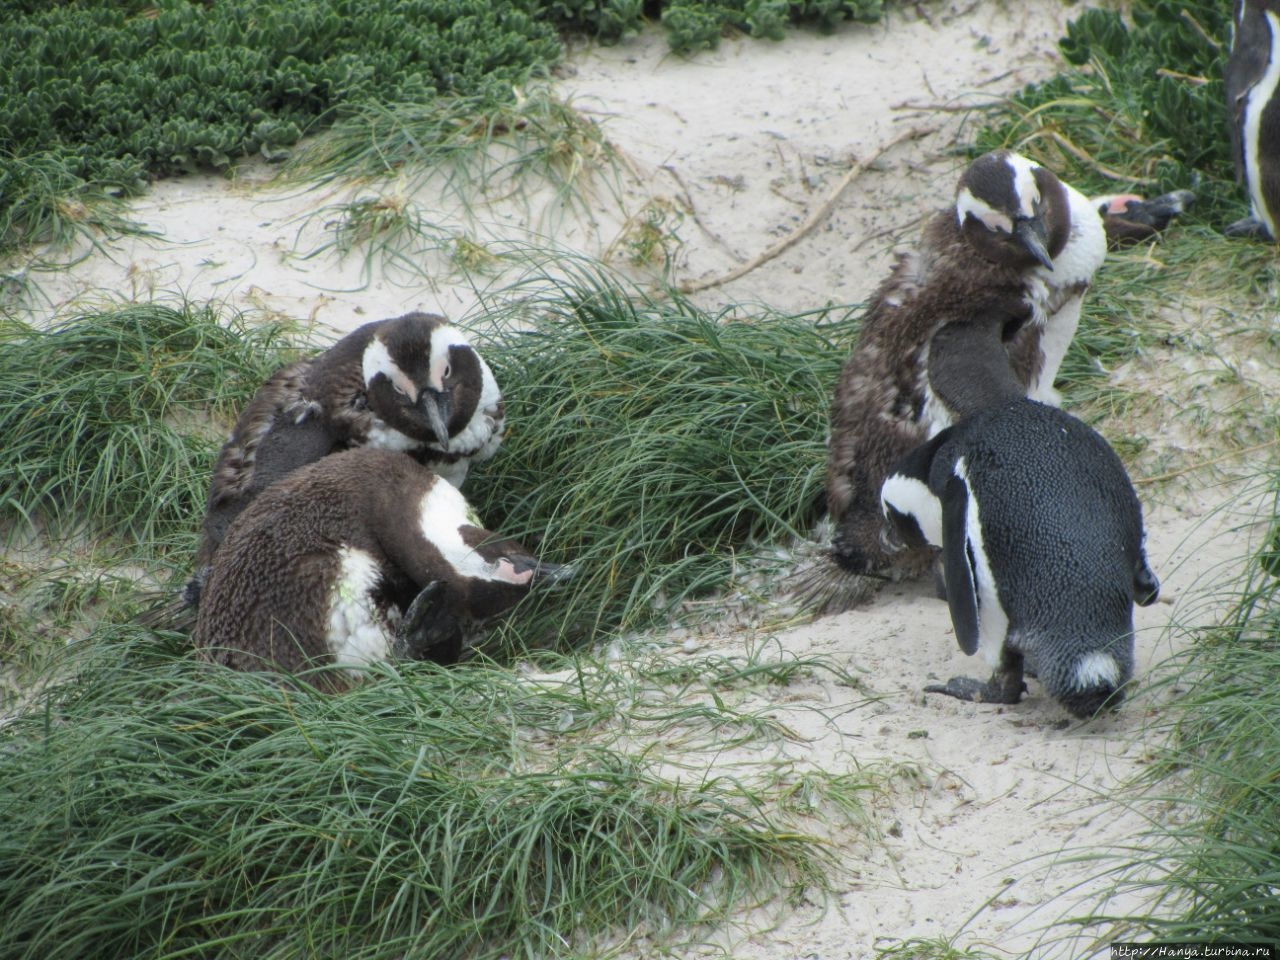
x: 651, y: 442
x: 163, y: 807
x: 106, y: 416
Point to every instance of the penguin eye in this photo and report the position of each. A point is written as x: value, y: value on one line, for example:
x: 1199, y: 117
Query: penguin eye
x: 399, y: 389
x: 448, y: 371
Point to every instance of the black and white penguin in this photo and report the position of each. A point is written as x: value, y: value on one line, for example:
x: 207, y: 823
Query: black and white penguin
x: 1017, y: 250
x: 1252, y: 76
x: 359, y: 557
x: 1017, y: 238
x: 413, y: 384
x: 1042, y: 550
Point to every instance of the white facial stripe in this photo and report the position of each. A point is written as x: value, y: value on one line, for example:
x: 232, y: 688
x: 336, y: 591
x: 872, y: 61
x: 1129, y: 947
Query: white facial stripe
x: 357, y: 635
x: 377, y: 359
x: 967, y: 205
x: 1255, y: 102
x: 910, y: 496
x: 442, y: 338
x: 1096, y: 669
x: 1024, y: 183
x: 442, y: 511
x: 993, y: 625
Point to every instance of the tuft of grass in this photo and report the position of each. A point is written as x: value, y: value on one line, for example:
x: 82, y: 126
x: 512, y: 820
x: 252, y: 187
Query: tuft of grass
x: 650, y: 443
x: 469, y: 151
x: 112, y: 419
x: 160, y: 806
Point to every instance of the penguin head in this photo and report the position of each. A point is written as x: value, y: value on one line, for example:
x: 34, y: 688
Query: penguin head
x: 423, y: 378
x: 1012, y: 211
x: 486, y: 573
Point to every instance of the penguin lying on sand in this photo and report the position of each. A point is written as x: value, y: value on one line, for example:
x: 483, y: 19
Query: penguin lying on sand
x: 1016, y: 236
x: 1252, y: 78
x: 412, y: 383
x: 359, y: 557
x: 1042, y: 550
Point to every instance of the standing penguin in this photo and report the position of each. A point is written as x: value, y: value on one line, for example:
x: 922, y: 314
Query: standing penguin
x: 1252, y: 78
x: 1042, y: 550
x: 412, y: 383
x: 359, y: 557
x: 1016, y: 237
x: 1018, y: 248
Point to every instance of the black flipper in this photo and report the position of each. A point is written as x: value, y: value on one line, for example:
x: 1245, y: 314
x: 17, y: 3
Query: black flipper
x: 957, y: 565
x: 1146, y: 587
x: 429, y: 630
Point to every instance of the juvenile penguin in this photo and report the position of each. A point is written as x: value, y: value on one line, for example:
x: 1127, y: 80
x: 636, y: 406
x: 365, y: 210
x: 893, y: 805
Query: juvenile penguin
x: 1042, y: 550
x: 1016, y: 237
x: 412, y: 383
x: 362, y: 556
x: 1252, y: 76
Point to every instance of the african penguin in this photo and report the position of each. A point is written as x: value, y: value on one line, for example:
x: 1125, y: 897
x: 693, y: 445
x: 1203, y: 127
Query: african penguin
x: 362, y: 556
x: 1252, y: 76
x: 411, y: 383
x: 1042, y: 550
x: 1017, y: 238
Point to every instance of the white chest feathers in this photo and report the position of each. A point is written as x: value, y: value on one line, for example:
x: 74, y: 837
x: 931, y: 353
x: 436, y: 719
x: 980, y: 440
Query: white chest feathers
x: 358, y: 634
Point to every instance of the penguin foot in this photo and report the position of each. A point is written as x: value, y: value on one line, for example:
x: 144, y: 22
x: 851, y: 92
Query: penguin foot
x: 429, y: 630
x: 1250, y: 228
x: 1001, y: 688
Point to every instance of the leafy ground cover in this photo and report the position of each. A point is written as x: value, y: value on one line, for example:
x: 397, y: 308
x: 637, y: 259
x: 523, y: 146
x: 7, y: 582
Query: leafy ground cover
x: 103, y: 96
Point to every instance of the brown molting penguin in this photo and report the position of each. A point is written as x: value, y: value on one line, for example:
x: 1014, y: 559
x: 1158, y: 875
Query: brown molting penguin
x: 412, y: 383
x: 360, y: 557
x: 1018, y: 240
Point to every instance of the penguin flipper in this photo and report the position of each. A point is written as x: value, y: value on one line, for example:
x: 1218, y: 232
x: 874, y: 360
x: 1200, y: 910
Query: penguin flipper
x: 429, y: 630
x: 1146, y: 587
x: 957, y: 566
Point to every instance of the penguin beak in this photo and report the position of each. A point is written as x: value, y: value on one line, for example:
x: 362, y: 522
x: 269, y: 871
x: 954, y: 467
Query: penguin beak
x: 1034, y: 237
x: 553, y: 573
x: 437, y: 407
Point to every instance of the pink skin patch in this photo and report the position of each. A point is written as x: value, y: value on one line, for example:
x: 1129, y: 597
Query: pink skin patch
x: 507, y: 572
x: 1117, y: 204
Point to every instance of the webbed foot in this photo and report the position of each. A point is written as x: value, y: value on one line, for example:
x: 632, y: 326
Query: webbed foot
x: 1005, y: 685
x: 1249, y: 228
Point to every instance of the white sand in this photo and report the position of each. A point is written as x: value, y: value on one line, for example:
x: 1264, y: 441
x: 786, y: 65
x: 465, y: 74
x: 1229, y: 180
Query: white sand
x: 737, y: 149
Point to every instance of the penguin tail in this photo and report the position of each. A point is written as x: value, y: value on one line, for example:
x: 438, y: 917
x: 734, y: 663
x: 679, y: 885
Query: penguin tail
x: 168, y: 610
x: 819, y: 586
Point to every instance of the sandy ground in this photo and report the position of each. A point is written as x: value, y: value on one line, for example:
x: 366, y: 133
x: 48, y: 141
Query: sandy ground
x: 726, y: 155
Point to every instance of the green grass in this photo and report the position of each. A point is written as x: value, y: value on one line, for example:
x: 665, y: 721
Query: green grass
x: 1141, y: 105
x: 157, y: 806
x: 111, y: 419
x: 652, y: 444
